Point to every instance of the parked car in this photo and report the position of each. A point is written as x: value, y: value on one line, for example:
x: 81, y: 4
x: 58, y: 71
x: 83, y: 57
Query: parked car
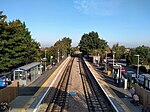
x: 130, y: 74
x: 123, y: 70
x: 144, y: 80
x: 140, y: 79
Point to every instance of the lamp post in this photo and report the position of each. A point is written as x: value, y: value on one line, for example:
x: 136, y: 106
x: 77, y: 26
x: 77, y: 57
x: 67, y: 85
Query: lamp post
x: 58, y: 55
x: 106, y: 60
x: 113, y: 61
x: 137, y: 64
x: 45, y: 59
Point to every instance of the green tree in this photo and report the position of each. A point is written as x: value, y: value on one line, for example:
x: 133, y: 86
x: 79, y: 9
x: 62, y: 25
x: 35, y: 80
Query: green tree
x: 119, y: 51
x: 91, y: 44
x: 16, y: 45
x: 144, y: 53
x: 144, y: 57
x: 63, y: 46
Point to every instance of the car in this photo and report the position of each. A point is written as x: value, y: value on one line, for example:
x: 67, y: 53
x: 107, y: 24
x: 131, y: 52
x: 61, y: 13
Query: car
x: 130, y: 74
x: 123, y: 70
x: 141, y: 79
x: 144, y: 80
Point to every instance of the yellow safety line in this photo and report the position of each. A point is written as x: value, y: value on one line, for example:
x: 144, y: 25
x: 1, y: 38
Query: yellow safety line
x: 110, y: 88
x: 23, y: 108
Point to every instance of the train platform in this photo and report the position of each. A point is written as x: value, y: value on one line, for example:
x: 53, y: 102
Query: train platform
x: 120, y: 97
x: 28, y: 94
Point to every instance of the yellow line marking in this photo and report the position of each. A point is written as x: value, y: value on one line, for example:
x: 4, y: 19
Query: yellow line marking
x: 105, y: 83
x: 23, y: 108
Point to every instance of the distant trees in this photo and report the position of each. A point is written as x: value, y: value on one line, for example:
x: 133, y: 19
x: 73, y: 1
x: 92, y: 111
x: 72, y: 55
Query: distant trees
x: 119, y: 51
x: 62, y: 46
x: 130, y: 57
x: 143, y: 51
x: 16, y: 45
x: 91, y: 44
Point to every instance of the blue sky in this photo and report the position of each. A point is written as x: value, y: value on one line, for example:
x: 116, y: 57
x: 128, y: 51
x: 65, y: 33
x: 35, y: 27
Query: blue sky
x: 123, y: 21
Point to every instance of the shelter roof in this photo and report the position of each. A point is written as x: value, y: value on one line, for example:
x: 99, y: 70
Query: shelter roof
x: 28, y: 66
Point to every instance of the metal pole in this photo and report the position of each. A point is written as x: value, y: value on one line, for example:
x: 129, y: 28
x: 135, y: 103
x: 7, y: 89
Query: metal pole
x: 58, y: 55
x: 45, y: 60
x: 113, y: 59
x: 106, y: 61
x: 113, y: 62
x: 50, y: 60
x: 138, y: 66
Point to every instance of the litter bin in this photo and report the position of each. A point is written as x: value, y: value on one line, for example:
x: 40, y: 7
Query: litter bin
x: 120, y: 83
x: 109, y: 72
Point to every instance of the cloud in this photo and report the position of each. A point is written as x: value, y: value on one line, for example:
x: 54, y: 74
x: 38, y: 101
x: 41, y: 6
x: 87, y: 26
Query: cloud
x: 97, y: 7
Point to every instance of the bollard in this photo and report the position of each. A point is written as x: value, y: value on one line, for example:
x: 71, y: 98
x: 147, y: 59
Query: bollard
x: 125, y: 83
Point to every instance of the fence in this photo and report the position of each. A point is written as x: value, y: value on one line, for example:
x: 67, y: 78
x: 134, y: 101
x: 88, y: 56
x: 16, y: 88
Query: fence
x: 143, y: 94
x: 9, y: 93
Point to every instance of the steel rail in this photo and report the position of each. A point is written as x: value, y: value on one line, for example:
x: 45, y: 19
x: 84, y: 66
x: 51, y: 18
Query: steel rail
x: 58, y: 102
x: 95, y: 98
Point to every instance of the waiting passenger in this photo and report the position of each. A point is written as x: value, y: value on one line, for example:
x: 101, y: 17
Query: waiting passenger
x: 136, y: 99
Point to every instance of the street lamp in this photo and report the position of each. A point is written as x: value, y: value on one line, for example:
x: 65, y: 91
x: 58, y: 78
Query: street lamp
x: 58, y: 56
x: 113, y: 61
x: 45, y: 59
x: 137, y: 64
x: 106, y: 60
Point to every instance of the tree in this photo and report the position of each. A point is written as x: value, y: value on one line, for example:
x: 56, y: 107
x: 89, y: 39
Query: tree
x: 119, y: 51
x: 91, y: 43
x: 144, y: 57
x: 144, y: 53
x: 63, y: 46
x: 16, y: 45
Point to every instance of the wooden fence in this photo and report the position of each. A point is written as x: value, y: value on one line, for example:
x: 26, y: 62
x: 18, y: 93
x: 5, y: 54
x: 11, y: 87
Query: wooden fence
x: 9, y: 93
x: 143, y: 94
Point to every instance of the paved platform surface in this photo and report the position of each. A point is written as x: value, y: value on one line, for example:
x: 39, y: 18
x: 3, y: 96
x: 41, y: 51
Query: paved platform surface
x: 122, y: 93
x: 25, y: 93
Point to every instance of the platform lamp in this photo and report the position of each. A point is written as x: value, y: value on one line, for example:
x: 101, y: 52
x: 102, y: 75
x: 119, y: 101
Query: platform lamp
x: 45, y: 59
x: 137, y: 65
x: 58, y: 56
x: 106, y: 60
x: 113, y: 60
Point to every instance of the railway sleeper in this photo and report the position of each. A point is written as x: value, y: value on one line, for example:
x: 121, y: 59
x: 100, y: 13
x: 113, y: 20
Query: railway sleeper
x: 106, y: 109
x: 93, y: 109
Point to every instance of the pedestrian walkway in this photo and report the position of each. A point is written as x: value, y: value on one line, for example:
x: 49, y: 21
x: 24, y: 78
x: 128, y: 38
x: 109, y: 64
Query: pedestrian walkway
x: 123, y: 94
x: 25, y: 93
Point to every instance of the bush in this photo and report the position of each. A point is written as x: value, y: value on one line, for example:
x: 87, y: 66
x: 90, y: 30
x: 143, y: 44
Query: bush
x: 143, y: 69
x: 148, y: 71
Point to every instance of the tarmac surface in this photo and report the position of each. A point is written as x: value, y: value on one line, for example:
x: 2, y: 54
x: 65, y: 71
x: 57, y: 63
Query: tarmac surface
x: 122, y: 93
x: 25, y: 93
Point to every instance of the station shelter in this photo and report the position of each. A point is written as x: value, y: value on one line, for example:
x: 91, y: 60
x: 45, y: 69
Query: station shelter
x: 94, y: 59
x: 27, y: 73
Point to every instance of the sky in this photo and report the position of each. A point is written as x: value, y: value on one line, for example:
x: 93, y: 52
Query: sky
x: 126, y: 22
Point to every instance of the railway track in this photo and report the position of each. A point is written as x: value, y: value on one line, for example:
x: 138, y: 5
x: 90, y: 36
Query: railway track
x: 59, y: 101
x: 95, y: 97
